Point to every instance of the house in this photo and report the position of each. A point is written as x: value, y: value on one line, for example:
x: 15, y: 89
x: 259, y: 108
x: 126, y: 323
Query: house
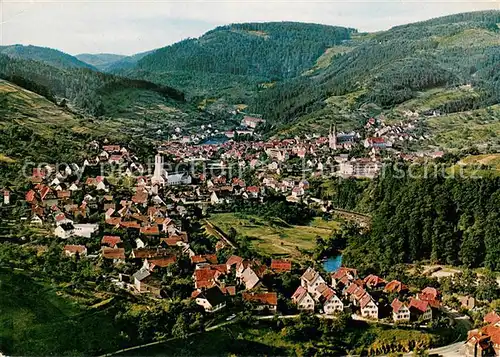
x: 211, y: 299
x: 86, y: 230
x: 64, y: 231
x: 281, y: 266
x: 483, y: 342
x: 144, y: 282
x: 311, y: 280
x: 253, y: 191
x: 204, y: 258
x: 179, y: 179
x: 111, y: 241
x: 376, y: 142
x: 251, y: 122
x: 117, y: 254
x: 374, y: 282
x: 343, y: 276
x: 36, y: 220
x: 468, y: 302
x: 249, y: 278
x: 75, y: 250
x: 400, y: 312
x: 161, y: 262
x: 368, y: 307
x: 395, y: 287
x: 204, y: 278
x: 330, y: 301
x: 491, y: 318
x: 263, y: 301
x: 303, y: 300
x: 429, y: 294
x: 235, y: 261
x: 420, y: 310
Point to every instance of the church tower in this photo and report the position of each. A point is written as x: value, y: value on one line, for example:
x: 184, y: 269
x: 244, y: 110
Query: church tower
x: 158, y: 174
x: 332, y: 137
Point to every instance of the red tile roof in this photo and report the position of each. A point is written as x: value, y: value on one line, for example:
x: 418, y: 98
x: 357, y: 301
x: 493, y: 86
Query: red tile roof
x: 373, y: 280
x: 365, y: 300
x: 234, y: 260
x: 281, y: 265
x: 491, y: 317
x: 162, y: 262
x: 299, y: 293
x: 111, y: 240
x: 395, y: 286
x: 150, y: 231
x: 397, y: 305
x: 75, y: 248
x: 113, y: 253
x: 419, y: 304
x: 262, y: 298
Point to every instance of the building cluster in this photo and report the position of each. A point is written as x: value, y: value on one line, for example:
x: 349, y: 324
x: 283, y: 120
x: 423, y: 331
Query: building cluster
x: 216, y: 283
x: 485, y: 341
x: 366, y: 297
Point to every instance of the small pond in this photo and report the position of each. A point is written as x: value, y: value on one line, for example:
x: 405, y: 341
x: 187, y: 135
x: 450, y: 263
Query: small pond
x: 333, y: 263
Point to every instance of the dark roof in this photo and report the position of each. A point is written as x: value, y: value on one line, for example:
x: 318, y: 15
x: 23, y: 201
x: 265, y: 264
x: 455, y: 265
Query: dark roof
x: 213, y: 295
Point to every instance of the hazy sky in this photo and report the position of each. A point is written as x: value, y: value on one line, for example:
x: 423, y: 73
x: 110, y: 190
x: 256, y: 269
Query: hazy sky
x: 128, y: 27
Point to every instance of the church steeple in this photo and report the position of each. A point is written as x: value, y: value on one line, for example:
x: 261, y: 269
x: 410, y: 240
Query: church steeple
x: 332, y: 137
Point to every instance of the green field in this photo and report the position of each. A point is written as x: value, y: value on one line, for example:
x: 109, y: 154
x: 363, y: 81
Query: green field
x: 36, y: 321
x: 486, y: 165
x: 275, y: 237
x: 465, y: 129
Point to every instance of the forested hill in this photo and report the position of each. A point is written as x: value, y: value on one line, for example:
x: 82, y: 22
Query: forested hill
x: 85, y: 89
x: 389, y: 68
x: 447, y: 220
x: 46, y: 55
x: 101, y: 60
x: 304, y: 76
x: 272, y: 50
x: 239, y: 56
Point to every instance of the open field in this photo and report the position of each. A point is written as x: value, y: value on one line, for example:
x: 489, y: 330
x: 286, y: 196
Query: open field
x: 475, y: 127
x: 486, y: 165
x: 36, y: 321
x: 274, y: 237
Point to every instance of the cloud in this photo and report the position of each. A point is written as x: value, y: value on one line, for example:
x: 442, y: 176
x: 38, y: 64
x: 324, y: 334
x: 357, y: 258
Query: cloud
x: 129, y: 27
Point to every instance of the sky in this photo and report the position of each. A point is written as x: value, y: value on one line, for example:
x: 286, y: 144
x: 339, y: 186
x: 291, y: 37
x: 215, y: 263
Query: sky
x: 128, y: 27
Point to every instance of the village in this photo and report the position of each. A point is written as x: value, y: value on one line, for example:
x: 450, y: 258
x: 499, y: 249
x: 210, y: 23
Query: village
x: 140, y: 219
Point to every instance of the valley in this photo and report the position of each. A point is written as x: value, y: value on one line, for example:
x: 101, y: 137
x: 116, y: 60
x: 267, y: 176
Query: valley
x: 184, y: 200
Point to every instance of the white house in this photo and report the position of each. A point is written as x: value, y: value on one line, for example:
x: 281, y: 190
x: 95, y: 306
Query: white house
x: 64, y: 231
x: 179, y: 179
x: 330, y: 301
x: 400, y: 312
x: 333, y: 305
x: 211, y: 299
x: 311, y: 280
x: 36, y: 220
x: 85, y: 230
x: 368, y: 307
x: 303, y: 300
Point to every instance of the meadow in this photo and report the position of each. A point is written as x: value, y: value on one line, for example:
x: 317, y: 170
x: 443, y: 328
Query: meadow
x: 35, y: 320
x: 275, y: 237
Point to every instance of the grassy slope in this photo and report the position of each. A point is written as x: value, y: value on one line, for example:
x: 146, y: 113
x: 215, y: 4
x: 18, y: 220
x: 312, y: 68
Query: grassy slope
x: 35, y: 320
x: 36, y: 112
x: 475, y: 127
x: 275, y: 238
x: 263, y: 340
